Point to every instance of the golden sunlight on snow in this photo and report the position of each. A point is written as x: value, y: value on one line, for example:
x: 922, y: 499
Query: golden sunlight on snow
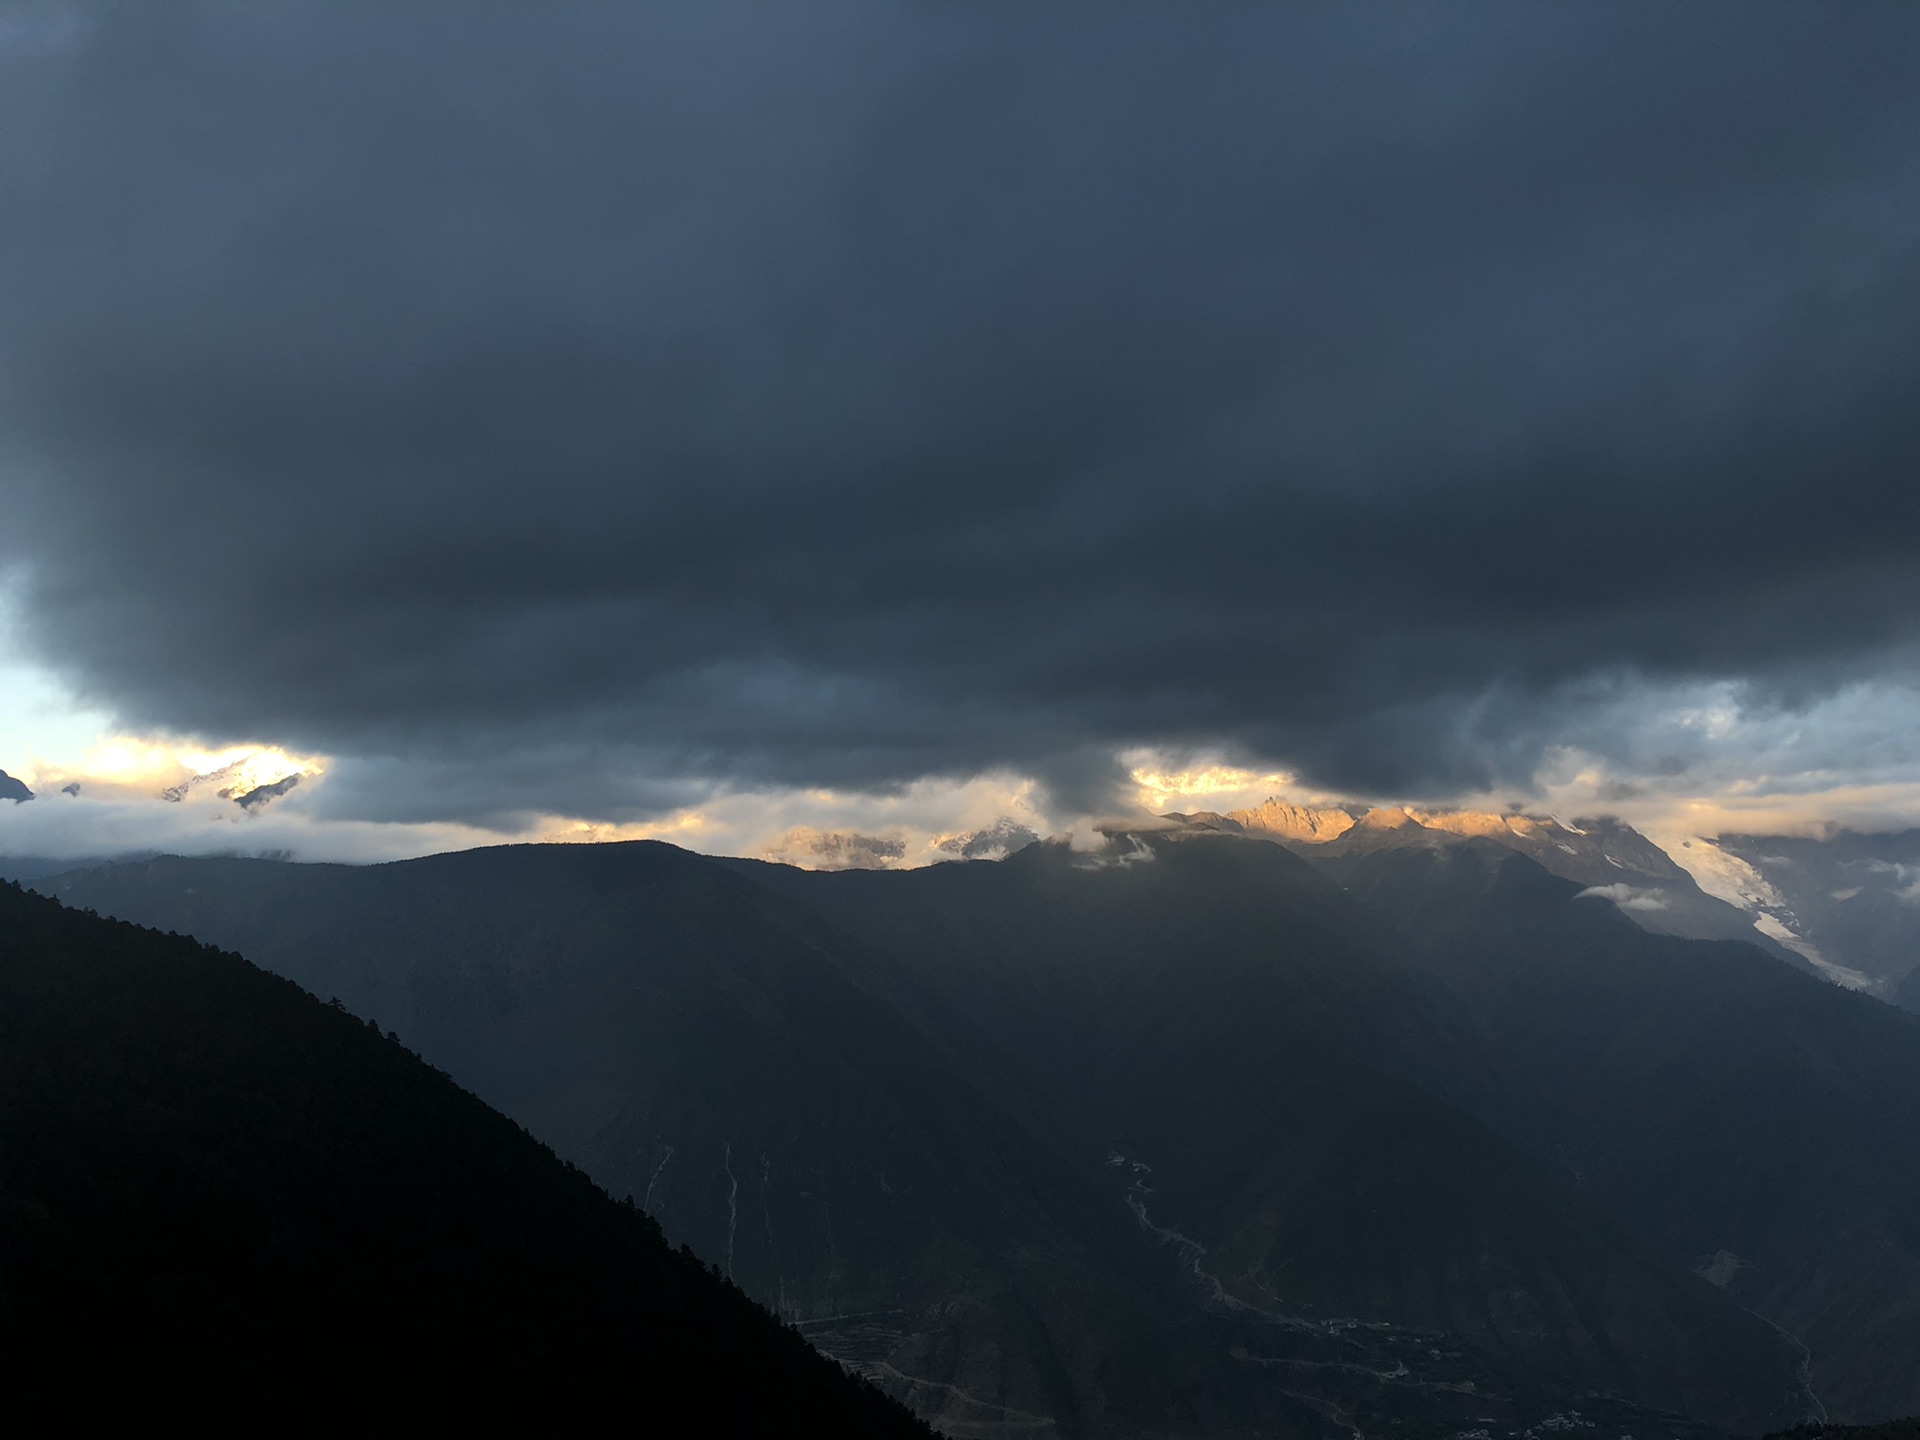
x: 132, y: 767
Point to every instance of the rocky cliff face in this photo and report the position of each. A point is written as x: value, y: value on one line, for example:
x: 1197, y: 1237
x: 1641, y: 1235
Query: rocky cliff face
x: 1303, y: 823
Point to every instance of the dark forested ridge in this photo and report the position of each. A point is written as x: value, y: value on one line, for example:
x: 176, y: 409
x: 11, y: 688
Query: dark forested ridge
x: 212, y: 1181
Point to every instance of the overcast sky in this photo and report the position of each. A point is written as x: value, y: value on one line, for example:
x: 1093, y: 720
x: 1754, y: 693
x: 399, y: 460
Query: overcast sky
x: 724, y: 420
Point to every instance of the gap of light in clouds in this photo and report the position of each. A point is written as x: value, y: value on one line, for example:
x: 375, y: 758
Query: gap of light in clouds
x: 1677, y: 762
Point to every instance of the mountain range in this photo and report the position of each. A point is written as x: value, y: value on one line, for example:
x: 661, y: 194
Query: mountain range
x: 1793, y: 896
x: 1388, y: 1127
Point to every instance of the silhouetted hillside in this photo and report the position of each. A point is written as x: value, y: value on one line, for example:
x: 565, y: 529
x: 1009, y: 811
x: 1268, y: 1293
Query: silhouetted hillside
x: 715, y: 1051
x: 211, y: 1180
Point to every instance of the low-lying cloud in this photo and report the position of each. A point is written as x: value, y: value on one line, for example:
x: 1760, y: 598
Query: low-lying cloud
x: 836, y: 850
x: 1627, y: 897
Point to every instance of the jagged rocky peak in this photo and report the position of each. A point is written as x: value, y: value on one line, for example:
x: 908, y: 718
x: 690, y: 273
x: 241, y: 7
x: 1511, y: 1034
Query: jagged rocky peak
x: 1286, y: 821
x: 14, y: 789
x: 1536, y: 834
x: 1316, y: 825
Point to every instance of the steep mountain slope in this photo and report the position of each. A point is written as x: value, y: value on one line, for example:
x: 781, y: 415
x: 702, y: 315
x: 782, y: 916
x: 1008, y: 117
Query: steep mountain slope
x: 1760, y: 1120
x: 694, y: 1041
x: 1277, y: 1084
x: 215, y: 1189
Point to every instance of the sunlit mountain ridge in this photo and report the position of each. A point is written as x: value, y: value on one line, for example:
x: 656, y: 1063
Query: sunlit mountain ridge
x: 1734, y: 887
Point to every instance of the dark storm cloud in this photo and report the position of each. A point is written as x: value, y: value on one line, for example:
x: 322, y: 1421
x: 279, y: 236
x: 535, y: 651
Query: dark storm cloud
x: 840, y: 395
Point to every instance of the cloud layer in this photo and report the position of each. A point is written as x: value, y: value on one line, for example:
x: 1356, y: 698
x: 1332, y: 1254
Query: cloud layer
x: 584, y: 412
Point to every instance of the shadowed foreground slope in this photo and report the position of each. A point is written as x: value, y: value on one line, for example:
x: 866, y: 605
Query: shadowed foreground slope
x: 695, y: 1041
x: 207, y: 1175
